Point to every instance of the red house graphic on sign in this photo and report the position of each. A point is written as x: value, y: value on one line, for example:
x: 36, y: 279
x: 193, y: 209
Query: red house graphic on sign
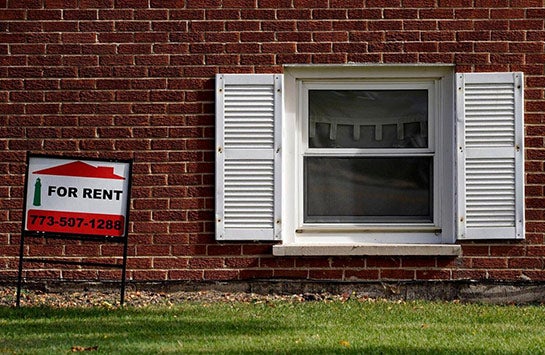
x: 81, y: 169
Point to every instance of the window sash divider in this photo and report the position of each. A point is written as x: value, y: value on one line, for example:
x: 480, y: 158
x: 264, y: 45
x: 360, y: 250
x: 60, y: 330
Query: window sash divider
x: 381, y: 153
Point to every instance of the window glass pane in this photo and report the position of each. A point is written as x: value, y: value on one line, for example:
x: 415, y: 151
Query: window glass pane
x: 368, y: 189
x: 368, y: 118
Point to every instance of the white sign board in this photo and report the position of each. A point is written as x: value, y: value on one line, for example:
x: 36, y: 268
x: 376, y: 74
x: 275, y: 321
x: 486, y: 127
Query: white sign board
x: 77, y: 196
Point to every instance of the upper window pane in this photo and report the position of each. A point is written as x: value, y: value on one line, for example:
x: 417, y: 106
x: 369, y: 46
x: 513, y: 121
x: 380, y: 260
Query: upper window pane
x: 368, y: 118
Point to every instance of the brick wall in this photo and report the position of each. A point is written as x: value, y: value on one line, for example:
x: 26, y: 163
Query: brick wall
x: 134, y: 79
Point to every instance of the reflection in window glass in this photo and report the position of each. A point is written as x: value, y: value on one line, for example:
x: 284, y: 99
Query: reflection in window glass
x: 368, y: 118
x: 368, y: 189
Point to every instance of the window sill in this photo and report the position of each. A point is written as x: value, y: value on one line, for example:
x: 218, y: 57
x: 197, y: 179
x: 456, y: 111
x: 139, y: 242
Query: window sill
x: 368, y: 249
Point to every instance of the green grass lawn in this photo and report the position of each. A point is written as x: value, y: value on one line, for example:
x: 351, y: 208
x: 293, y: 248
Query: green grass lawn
x: 363, y: 327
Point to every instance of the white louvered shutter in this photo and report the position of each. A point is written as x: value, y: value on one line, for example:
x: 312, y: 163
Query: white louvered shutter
x: 490, y: 161
x: 248, y: 138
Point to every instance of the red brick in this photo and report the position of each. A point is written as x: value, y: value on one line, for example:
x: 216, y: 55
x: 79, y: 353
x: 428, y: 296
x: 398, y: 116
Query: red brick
x: 169, y: 263
x: 145, y: 14
x: 168, y: 4
x: 418, y: 3
x: 44, y: 15
x: 221, y: 275
x: 206, y: 263
x: 526, y: 25
x: 189, y: 249
x: 274, y: 3
x: 45, y: 250
x: 257, y: 14
x: 329, y: 58
x: 242, y: 263
x: 489, y: 263
x: 422, y: 262
x: 135, y: 48
x: 536, y: 250
x: 131, y: 3
x: 507, y: 250
x: 525, y: 263
x: 249, y: 274
x: 239, y: 4
x: 400, y: 58
x: 96, y: 4
x: 344, y: 4
x: 293, y: 58
x: 492, y: 3
x: 224, y: 249
x: 312, y: 263
x: 24, y: 4
x: 61, y: 4
x: 147, y: 227
x: 383, y: 3
x: 381, y: 262
x: 397, y: 274
x: 534, y: 275
x: 82, y: 250
x: 60, y: 145
x: 257, y: 249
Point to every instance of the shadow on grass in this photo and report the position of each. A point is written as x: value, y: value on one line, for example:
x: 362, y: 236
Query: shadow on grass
x: 187, y: 330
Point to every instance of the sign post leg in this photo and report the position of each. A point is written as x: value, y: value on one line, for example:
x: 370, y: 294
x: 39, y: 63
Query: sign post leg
x: 20, y: 274
x: 123, y: 272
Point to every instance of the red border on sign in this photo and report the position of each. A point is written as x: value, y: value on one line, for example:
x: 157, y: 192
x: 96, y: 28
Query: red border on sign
x: 75, y: 223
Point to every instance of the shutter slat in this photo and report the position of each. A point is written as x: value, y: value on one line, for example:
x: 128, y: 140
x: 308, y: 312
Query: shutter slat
x: 490, y: 161
x: 489, y: 111
x: 248, y: 109
x: 241, y: 182
x: 249, y: 115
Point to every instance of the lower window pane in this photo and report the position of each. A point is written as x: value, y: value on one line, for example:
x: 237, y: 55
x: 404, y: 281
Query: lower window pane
x: 381, y: 190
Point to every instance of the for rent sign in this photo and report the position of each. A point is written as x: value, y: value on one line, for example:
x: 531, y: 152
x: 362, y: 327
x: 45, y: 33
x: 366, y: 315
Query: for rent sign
x: 77, y: 196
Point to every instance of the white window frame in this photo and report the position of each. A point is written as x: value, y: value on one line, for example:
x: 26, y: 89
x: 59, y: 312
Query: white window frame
x: 295, y: 141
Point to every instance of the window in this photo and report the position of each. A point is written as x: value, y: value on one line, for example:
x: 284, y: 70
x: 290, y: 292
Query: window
x: 368, y: 152
x: 370, y: 156
x: 363, y: 155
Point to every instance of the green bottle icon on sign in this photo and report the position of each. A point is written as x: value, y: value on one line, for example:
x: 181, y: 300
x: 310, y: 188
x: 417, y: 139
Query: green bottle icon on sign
x: 37, y: 193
